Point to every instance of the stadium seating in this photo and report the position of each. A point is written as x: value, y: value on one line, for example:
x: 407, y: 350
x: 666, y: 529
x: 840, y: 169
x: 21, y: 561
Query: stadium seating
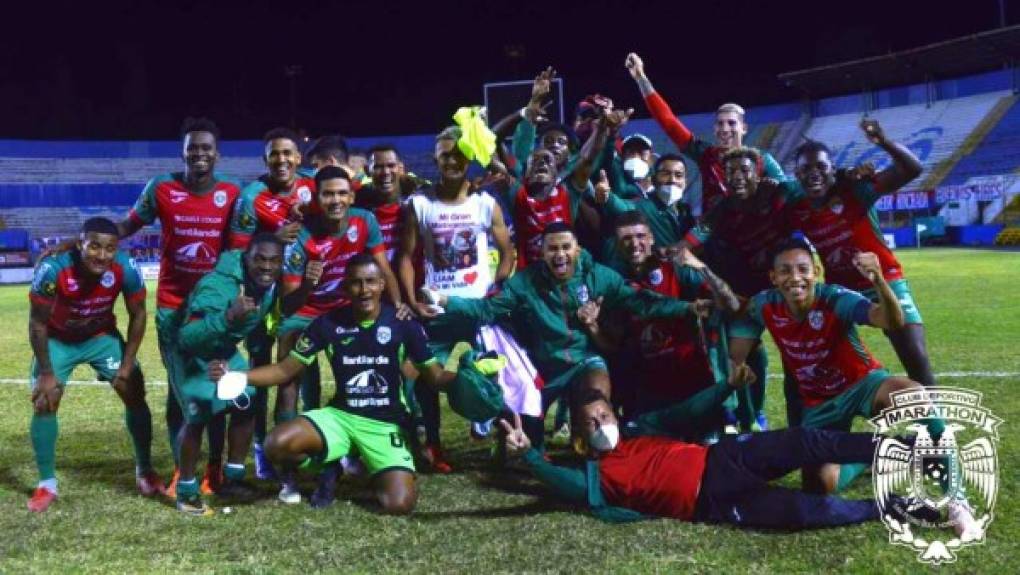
x: 999, y: 152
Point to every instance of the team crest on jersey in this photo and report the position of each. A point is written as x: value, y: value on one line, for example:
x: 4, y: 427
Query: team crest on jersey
x: 107, y: 280
x: 383, y: 335
x: 815, y: 319
x: 837, y: 207
x: 220, y: 198
x: 582, y: 294
x: 655, y: 278
x: 352, y: 234
x: 303, y: 345
x: 304, y: 193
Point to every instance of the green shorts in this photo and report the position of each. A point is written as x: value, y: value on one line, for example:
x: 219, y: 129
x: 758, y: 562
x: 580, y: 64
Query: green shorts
x: 381, y: 445
x: 102, y: 352
x: 901, y: 288
x: 838, y: 412
x: 196, y: 393
x: 293, y: 323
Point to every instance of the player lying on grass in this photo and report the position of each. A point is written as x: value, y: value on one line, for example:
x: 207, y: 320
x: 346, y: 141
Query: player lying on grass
x: 72, y: 323
x: 224, y: 309
x: 366, y: 344
x: 648, y: 476
x: 814, y: 326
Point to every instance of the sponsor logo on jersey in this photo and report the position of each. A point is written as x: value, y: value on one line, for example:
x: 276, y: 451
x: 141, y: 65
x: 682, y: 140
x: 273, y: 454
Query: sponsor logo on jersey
x: 816, y: 319
x: 346, y: 331
x: 655, y: 278
x: 196, y: 250
x: 49, y: 288
x: 383, y: 335
x: 177, y: 196
x: 107, y: 280
x: 352, y: 234
x: 836, y: 207
x: 324, y: 247
x: 72, y: 284
x: 220, y: 198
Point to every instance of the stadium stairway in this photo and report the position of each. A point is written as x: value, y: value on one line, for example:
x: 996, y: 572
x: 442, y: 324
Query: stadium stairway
x: 939, y: 172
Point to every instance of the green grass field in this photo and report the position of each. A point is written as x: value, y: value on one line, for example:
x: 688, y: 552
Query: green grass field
x: 475, y: 520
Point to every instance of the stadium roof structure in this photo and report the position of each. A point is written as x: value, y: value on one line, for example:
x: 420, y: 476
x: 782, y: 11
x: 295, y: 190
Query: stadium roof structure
x: 982, y: 52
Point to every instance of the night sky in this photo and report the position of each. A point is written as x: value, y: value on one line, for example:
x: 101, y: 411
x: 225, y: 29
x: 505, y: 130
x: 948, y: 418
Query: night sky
x: 133, y: 70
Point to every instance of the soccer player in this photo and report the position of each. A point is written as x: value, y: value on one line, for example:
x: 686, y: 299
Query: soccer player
x: 193, y: 208
x: 653, y: 476
x: 840, y: 220
x: 814, y: 326
x: 542, y: 302
x: 730, y: 129
x: 72, y: 323
x: 328, y: 151
x: 384, y: 196
x: 275, y: 203
x: 452, y: 226
x: 314, y: 272
x: 224, y: 308
x: 666, y: 362
x: 367, y: 345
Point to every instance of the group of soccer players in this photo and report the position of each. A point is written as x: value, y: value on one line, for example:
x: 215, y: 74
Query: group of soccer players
x: 637, y: 307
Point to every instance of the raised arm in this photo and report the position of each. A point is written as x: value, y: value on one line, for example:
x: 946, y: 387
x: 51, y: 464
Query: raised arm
x: 568, y: 484
x: 657, y: 106
x: 608, y: 125
x: 905, y: 165
x: 887, y: 313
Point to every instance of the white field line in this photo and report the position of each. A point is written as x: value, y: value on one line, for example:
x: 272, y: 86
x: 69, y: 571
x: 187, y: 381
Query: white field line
x: 943, y: 375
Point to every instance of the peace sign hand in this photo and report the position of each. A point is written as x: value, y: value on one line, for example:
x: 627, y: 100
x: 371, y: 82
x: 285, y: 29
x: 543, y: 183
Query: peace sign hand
x: 516, y: 441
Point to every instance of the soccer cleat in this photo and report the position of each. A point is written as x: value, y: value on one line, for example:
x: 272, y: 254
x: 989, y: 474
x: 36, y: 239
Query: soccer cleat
x: 213, y: 478
x: 263, y: 467
x: 911, y: 510
x: 41, y: 500
x: 436, y: 459
x: 171, y: 490
x: 961, y: 517
x: 150, y: 484
x: 194, y: 506
x: 352, y: 465
x: 761, y: 423
x: 237, y: 489
x: 325, y: 492
x: 289, y: 493
x: 481, y: 430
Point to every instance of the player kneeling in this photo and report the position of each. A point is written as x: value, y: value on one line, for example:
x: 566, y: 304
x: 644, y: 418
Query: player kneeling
x: 72, y: 323
x: 366, y: 344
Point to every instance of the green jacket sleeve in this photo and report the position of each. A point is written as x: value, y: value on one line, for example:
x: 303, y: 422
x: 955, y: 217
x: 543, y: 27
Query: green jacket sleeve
x: 643, y: 303
x: 488, y: 309
x: 616, y: 205
x: 568, y: 484
x: 205, y: 325
x: 521, y: 145
x: 772, y: 167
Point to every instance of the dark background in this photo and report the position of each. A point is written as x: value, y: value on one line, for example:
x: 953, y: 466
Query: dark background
x: 133, y: 70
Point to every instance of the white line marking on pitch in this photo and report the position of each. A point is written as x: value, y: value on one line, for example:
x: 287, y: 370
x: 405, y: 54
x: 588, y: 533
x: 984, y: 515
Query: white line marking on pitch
x: 946, y: 375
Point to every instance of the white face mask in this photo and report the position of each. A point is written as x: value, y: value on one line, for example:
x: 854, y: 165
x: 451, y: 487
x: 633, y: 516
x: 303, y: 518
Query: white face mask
x: 636, y: 167
x: 231, y: 386
x: 670, y: 193
x: 605, y: 438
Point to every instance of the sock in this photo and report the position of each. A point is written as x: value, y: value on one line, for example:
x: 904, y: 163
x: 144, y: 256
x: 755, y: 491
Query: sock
x: 174, y: 421
x: 187, y: 488
x: 50, y: 484
x: 848, y: 472
x: 43, y: 431
x: 139, y: 424
x: 234, y: 471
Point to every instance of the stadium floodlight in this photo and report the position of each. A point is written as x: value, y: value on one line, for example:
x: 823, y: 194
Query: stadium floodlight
x: 504, y: 98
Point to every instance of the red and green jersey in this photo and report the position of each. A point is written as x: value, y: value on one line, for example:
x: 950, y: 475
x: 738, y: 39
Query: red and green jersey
x: 334, y: 249
x: 844, y: 224
x: 667, y: 359
x: 821, y: 350
x: 259, y: 209
x: 194, y: 231
x: 531, y: 215
x: 83, y: 305
x: 747, y: 232
x: 654, y: 475
x: 389, y: 216
x: 708, y: 157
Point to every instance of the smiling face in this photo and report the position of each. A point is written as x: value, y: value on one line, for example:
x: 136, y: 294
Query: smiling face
x: 335, y: 199
x: 560, y: 252
x: 815, y: 173
x: 794, y: 274
x: 97, y: 252
x: 559, y: 144
x: 742, y: 177
x: 671, y: 172
x: 386, y: 172
x: 452, y: 163
x: 282, y: 158
x: 541, y: 168
x: 634, y: 243
x: 364, y: 286
x: 263, y: 262
x: 729, y: 130
x: 200, y: 153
